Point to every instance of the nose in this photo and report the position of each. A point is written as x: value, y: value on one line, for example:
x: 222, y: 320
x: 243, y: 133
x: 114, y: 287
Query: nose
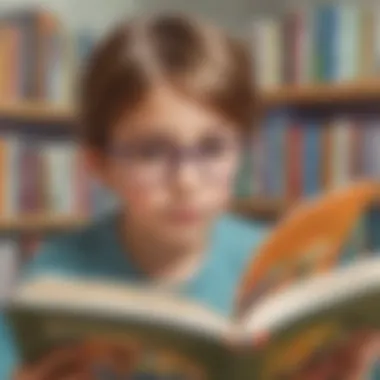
x: 187, y: 173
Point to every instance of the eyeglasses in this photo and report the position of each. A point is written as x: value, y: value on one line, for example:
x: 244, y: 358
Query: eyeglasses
x: 158, y: 161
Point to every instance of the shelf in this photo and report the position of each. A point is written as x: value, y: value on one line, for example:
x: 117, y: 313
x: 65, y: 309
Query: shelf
x: 41, y: 222
x: 260, y: 208
x: 323, y: 94
x: 36, y: 112
x: 292, y: 95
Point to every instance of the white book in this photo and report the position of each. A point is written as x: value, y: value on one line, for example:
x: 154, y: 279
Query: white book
x: 59, y: 162
x: 348, y: 42
x: 267, y: 52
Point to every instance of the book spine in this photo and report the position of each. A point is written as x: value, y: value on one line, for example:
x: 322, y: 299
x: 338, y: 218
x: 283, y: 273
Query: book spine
x: 13, y: 86
x: 9, y: 266
x: 12, y: 170
x: 26, y: 23
x: 257, y: 162
x: 244, y: 183
x: 327, y: 44
x: 356, y: 150
x: 319, y: 43
x: 366, y: 43
x: 294, y: 160
x: 311, y: 159
x: 376, y: 25
x: 327, y: 156
x: 287, y: 41
x: 3, y: 175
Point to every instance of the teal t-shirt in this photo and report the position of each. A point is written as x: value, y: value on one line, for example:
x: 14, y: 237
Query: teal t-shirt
x: 97, y: 252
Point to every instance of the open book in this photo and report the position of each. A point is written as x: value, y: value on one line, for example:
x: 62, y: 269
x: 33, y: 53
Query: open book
x: 289, y: 323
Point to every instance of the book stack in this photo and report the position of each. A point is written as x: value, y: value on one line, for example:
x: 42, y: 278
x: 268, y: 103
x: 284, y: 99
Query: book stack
x: 294, y: 156
x: 326, y: 43
x: 43, y: 176
x: 38, y: 58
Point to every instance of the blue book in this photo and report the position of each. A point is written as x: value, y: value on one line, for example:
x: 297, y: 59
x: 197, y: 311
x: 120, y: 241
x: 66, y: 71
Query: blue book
x: 275, y: 137
x: 311, y: 163
x: 326, y: 24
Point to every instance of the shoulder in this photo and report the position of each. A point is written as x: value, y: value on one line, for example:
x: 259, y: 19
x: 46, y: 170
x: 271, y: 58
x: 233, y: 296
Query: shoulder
x: 238, y: 239
x: 72, y: 252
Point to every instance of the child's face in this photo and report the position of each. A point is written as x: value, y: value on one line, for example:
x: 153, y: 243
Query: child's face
x: 173, y: 164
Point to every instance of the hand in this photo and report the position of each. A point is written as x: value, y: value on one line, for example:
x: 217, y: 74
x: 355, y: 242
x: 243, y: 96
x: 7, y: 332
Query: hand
x: 61, y: 364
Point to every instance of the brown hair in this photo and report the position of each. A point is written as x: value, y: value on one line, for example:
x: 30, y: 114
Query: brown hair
x: 192, y: 57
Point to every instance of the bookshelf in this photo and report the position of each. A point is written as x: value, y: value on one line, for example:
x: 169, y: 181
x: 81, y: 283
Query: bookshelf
x: 40, y: 223
x: 289, y: 95
x: 320, y: 94
x: 310, y: 95
x: 36, y: 112
x: 328, y: 94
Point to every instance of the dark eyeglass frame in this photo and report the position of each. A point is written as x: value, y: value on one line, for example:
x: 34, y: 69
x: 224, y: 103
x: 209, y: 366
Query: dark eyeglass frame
x: 179, y: 155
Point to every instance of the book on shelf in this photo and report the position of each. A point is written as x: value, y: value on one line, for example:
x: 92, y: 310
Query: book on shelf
x: 314, y: 44
x: 46, y: 176
x: 39, y: 57
x: 300, y: 303
x: 302, y: 155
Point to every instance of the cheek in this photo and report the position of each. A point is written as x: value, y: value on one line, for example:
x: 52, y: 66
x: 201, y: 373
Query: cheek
x: 220, y: 196
x: 140, y: 199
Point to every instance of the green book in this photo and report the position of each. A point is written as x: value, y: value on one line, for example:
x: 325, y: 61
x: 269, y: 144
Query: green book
x: 313, y: 326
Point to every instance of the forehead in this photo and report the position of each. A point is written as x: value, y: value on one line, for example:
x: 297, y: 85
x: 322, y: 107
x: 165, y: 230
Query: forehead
x: 169, y: 113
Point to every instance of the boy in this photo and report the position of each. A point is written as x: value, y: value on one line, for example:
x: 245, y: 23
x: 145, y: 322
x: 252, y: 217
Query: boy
x: 165, y: 106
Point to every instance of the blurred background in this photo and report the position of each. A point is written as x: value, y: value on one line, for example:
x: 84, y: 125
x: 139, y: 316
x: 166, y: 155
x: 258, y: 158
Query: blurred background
x: 318, y: 120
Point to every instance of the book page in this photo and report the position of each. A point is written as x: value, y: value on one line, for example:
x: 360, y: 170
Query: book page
x: 309, y: 241
x: 122, y: 330
x: 325, y: 328
x: 342, y: 344
x: 118, y: 300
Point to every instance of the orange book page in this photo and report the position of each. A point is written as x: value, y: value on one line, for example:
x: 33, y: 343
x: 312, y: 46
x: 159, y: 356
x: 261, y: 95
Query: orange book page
x: 308, y: 241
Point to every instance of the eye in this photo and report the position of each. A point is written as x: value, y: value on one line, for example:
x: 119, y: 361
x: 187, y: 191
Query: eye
x: 214, y: 146
x: 152, y: 150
